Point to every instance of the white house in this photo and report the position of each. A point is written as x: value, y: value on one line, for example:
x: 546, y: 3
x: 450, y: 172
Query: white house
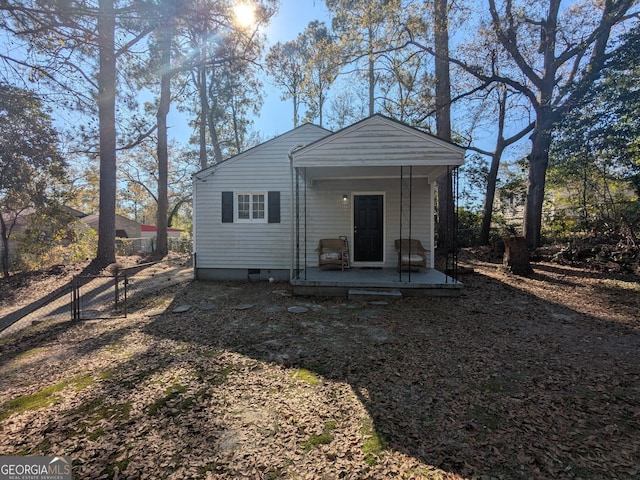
x: 262, y: 213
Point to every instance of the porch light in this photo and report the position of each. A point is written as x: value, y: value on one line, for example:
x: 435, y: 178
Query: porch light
x: 345, y: 198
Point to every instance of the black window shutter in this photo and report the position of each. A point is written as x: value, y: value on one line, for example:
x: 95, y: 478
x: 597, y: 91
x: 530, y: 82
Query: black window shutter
x: 274, y: 207
x: 227, y: 207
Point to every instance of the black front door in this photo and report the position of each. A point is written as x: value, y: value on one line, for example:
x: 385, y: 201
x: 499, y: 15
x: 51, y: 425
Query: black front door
x: 368, y: 223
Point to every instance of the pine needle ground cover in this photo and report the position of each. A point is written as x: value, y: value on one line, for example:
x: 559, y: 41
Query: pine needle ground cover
x: 518, y: 378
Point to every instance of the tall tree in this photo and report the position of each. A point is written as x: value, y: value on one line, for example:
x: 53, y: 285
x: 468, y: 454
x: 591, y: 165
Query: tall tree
x: 140, y: 169
x: 406, y: 86
x: 30, y: 163
x: 164, y: 33
x: 364, y: 31
x: 347, y: 106
x: 437, y: 44
x: 320, y: 68
x: 61, y: 41
x: 555, y: 75
x: 443, y: 119
x: 501, y: 99
x: 595, y: 154
x: 549, y: 52
x: 106, y: 23
x: 222, y: 41
x: 285, y: 65
x: 234, y: 94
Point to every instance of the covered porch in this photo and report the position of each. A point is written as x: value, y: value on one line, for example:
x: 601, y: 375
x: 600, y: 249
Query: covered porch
x: 371, y: 185
x: 429, y: 282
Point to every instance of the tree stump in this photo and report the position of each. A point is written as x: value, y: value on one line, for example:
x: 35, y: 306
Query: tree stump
x: 516, y: 256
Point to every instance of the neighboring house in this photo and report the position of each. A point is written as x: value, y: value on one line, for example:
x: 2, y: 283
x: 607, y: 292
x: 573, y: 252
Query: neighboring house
x: 511, y: 206
x: 125, y: 227
x: 128, y: 234
x: 151, y: 231
x: 140, y: 238
x: 262, y: 213
x: 75, y: 213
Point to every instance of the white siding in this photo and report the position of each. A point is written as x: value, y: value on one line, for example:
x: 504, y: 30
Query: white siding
x: 380, y: 141
x: 371, y: 152
x: 248, y: 245
x: 328, y: 217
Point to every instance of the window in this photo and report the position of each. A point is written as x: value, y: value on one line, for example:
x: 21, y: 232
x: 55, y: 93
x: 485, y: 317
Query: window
x: 251, y: 207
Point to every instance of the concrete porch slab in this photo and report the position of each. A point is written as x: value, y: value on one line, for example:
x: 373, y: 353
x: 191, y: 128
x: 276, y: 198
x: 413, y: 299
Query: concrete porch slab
x: 427, y: 282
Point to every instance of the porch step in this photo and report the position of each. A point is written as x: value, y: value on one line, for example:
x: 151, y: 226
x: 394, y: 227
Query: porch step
x: 358, y: 294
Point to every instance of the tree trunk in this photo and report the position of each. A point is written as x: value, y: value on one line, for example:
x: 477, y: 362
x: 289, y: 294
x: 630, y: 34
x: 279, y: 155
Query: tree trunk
x: 174, y: 212
x: 538, y: 160
x: 295, y: 110
x: 204, y: 112
x: 107, y: 121
x: 236, y: 130
x: 320, y: 105
x: 516, y: 256
x: 372, y: 78
x: 164, y: 40
x: 5, y: 247
x: 213, y: 133
x: 443, y: 121
x: 490, y: 196
x: 211, y: 112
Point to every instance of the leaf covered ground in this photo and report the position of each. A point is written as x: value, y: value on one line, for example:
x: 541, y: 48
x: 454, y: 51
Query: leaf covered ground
x: 518, y: 378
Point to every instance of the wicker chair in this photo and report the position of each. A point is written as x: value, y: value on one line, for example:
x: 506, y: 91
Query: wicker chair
x: 411, y: 254
x: 332, y: 253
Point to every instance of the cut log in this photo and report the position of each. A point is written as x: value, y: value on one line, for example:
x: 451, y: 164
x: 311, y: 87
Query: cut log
x: 516, y: 256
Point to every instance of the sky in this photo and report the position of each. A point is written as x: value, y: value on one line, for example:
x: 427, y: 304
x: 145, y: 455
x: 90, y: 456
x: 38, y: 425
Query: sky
x: 276, y: 116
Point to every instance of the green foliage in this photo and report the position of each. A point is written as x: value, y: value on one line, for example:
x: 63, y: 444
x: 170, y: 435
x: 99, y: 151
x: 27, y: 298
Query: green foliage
x: 594, y: 169
x: 45, y: 397
x: 320, y: 52
x: 474, y: 175
x: 469, y: 223
x: 171, y: 393
x: 324, y: 438
x: 285, y: 65
x: 31, y: 168
x: 560, y: 228
x: 393, y: 77
x: 139, y: 201
x: 52, y: 239
x: 373, y: 443
x: 306, y: 376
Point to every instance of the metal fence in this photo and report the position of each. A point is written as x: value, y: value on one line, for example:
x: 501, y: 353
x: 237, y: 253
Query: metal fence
x: 103, y: 296
x: 132, y: 246
x: 99, y: 296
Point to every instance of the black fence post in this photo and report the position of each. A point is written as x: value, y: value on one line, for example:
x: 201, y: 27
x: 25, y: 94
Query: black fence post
x: 115, y: 288
x: 126, y: 282
x: 75, y: 298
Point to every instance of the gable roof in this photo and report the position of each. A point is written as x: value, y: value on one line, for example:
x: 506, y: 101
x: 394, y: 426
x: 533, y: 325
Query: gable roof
x: 380, y: 144
x: 279, y: 138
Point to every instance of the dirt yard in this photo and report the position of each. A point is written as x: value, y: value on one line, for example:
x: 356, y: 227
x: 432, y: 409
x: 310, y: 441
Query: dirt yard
x: 519, y: 378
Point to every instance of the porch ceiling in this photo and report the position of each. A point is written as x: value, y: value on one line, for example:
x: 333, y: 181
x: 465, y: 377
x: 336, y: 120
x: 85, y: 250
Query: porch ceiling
x: 316, y: 174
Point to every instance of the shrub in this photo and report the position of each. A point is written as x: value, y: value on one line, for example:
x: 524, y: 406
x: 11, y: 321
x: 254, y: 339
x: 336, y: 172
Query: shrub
x: 41, y: 247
